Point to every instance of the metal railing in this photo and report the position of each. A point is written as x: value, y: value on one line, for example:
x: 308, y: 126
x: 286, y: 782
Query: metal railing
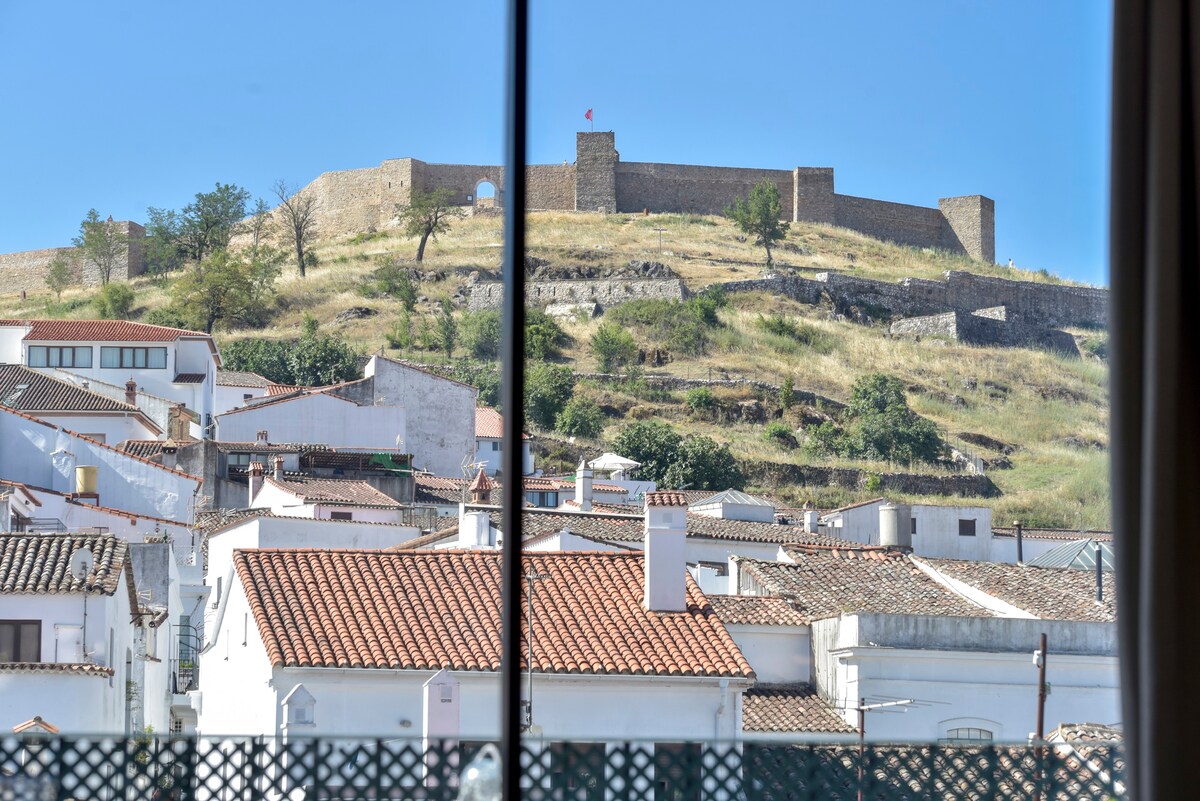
x: 185, y: 768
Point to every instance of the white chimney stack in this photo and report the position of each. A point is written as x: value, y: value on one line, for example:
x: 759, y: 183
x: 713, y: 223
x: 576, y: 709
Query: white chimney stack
x: 440, y: 722
x: 474, y: 530
x: 278, y: 473
x: 811, y: 521
x: 255, y: 474
x: 895, y: 526
x: 666, y: 552
x: 583, y: 487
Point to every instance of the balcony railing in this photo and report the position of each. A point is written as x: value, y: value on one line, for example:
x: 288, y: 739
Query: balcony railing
x: 312, y: 768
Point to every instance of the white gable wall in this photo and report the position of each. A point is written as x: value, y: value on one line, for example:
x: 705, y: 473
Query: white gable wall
x: 322, y: 418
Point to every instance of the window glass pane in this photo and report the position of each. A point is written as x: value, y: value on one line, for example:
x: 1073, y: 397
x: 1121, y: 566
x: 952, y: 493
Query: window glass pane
x: 8, y: 642
x: 29, y: 648
x: 83, y: 357
x: 37, y: 356
x: 139, y: 357
x: 127, y: 357
x: 110, y: 357
x: 52, y: 357
x: 157, y: 358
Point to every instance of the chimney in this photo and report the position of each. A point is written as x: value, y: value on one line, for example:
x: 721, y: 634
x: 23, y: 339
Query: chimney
x: 481, y: 488
x: 895, y: 527
x: 170, y: 450
x: 1020, y: 544
x: 261, y: 438
x: 811, y: 521
x: 475, y: 530
x: 256, y: 481
x: 178, y: 422
x: 583, y: 487
x: 666, y: 552
x: 131, y: 392
x: 278, y: 472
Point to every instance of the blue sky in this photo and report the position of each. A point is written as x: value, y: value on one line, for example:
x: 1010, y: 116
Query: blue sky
x: 135, y: 104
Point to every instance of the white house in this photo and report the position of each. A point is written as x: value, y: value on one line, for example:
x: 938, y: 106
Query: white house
x: 317, y: 415
x: 488, y: 448
x: 67, y: 646
x: 321, y: 498
x: 172, y: 363
x: 625, y: 646
x: 952, y: 639
x: 233, y: 388
x: 40, y: 454
x: 70, y: 406
x: 951, y: 532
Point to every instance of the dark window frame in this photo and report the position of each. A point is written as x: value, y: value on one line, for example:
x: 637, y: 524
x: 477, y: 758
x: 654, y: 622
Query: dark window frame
x: 967, y: 526
x: 18, y: 656
x: 61, y: 355
x: 129, y: 356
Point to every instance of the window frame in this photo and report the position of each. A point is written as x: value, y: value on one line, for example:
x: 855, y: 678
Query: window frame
x: 129, y: 356
x: 17, y: 624
x: 53, y: 356
x: 974, y: 525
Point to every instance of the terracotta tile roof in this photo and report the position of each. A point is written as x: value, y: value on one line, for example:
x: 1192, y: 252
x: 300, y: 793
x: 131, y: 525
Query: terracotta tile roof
x: 1064, y: 534
x: 269, y: 447
x: 188, y: 378
x: 666, y: 498
x: 827, y: 582
x: 611, y: 508
x: 337, y: 491
x: 141, y: 448
x: 488, y: 423
x: 36, y: 564
x: 1049, y: 593
x: 100, y: 331
x: 750, y: 531
x: 427, y: 610
x: 241, y: 378
x: 629, y: 526
x: 854, y: 506
x: 756, y: 610
x: 789, y: 708
x: 31, y: 391
x: 425, y: 540
x: 481, y: 483
x: 284, y: 389
x: 441, y: 490
x: 77, y: 668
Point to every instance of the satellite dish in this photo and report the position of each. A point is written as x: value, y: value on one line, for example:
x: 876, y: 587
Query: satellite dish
x: 81, y: 564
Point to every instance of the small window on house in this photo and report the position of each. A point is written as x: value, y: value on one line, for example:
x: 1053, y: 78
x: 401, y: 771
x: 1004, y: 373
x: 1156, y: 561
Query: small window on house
x: 966, y: 527
x: 20, y: 641
x: 913, y: 522
x: 176, y: 725
x: 341, y: 515
x: 247, y: 396
x: 495, y: 446
x: 300, y: 714
x: 968, y: 734
x: 718, y: 568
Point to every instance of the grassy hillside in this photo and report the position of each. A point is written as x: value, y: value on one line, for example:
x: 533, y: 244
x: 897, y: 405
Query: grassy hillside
x: 1049, y: 412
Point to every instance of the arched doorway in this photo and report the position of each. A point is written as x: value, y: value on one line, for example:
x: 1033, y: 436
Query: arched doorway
x: 487, y: 195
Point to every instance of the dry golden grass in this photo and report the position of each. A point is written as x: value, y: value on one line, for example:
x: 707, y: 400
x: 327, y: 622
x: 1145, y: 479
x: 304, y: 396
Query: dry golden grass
x: 1055, y: 409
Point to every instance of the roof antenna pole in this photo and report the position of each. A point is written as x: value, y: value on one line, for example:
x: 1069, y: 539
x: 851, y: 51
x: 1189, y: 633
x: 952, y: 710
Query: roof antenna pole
x: 1099, y: 574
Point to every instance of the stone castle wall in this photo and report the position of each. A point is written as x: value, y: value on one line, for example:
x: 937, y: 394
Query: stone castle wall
x: 683, y: 188
x: 986, y: 329
x: 26, y: 271
x: 607, y: 292
x: 1028, y: 302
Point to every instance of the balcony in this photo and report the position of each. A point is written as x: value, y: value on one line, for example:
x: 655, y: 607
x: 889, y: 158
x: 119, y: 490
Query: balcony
x: 314, y: 768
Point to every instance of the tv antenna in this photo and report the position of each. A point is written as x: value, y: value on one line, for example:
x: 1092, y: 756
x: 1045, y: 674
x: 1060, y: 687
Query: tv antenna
x: 81, y: 565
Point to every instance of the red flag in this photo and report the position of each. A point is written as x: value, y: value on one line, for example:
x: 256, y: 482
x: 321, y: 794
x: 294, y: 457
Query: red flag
x: 588, y: 115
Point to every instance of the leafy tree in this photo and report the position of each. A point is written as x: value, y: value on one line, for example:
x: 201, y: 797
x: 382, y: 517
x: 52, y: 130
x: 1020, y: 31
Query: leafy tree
x: 267, y: 357
x: 759, y: 216
x: 700, y: 399
x: 58, y: 276
x: 427, y: 215
x: 318, y: 358
x: 391, y: 279
x: 654, y: 444
x: 400, y: 336
x: 580, y: 417
x: 787, y: 393
x: 227, y: 286
x: 298, y: 212
x: 203, y: 227
x: 259, y: 224
x: 544, y: 337
x: 114, y: 302
x: 680, y: 326
x: 613, y: 348
x: 481, y: 334
x: 548, y: 387
x: 880, y: 426
x: 701, y: 463
x: 102, y: 244
x: 164, y: 250
x: 446, y: 327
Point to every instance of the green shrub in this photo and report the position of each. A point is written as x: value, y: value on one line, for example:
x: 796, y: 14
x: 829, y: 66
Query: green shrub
x: 874, y: 483
x: 169, y: 316
x: 779, y: 434
x: 795, y: 331
x: 481, y: 334
x: 400, y: 335
x: 114, y: 301
x: 544, y: 337
x: 700, y: 399
x: 787, y: 393
x: 580, y: 417
x: 679, y: 326
x: 613, y: 348
x: 392, y: 280
x: 548, y: 387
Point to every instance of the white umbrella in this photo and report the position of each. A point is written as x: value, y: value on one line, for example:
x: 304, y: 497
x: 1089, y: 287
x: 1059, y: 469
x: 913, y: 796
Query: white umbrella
x: 610, y: 461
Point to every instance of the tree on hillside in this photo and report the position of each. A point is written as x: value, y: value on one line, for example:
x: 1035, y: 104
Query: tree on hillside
x: 58, y: 276
x: 883, y: 427
x: 701, y: 463
x: 759, y: 215
x: 259, y: 224
x: 225, y: 286
x: 654, y: 444
x: 429, y: 214
x: 203, y: 227
x: 548, y: 387
x: 298, y: 211
x: 102, y: 243
x: 613, y: 348
x: 447, y: 328
x: 317, y: 358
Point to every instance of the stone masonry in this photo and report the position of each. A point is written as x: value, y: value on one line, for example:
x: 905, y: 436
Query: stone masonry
x: 605, y: 293
x: 26, y: 271
x: 983, y: 328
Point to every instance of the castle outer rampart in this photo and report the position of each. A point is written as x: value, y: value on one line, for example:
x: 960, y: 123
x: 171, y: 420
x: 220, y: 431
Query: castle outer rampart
x: 26, y: 270
x: 352, y: 201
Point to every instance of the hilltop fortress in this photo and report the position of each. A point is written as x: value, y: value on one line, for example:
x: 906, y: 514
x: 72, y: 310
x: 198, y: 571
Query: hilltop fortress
x: 361, y: 200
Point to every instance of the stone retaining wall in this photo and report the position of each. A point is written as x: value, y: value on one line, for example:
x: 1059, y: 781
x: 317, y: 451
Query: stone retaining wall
x: 606, y: 293
x: 773, y: 474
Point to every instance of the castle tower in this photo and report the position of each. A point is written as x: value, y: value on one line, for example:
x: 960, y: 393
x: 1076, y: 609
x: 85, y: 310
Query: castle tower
x: 596, y: 171
x: 970, y: 226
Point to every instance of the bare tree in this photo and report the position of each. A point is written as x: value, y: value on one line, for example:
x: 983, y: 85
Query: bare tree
x: 298, y: 212
x: 102, y: 243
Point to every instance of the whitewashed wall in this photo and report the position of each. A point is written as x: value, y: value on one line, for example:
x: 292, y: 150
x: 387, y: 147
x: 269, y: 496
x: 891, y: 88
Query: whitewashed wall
x: 322, y: 418
x: 440, y: 414
x: 108, y: 428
